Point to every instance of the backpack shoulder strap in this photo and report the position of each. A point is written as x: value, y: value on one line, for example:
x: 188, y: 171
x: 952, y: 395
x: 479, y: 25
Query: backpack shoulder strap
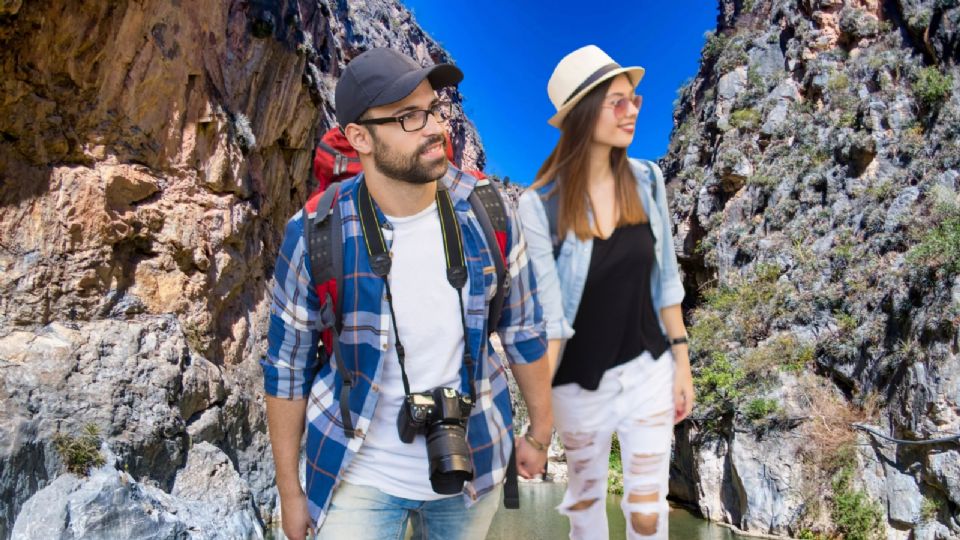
x: 324, y: 240
x: 489, y: 208
x: 323, y: 237
x: 490, y: 211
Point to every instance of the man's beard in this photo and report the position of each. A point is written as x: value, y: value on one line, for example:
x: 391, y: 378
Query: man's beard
x: 409, y: 168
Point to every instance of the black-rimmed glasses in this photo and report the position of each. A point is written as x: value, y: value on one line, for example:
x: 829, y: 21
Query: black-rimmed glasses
x: 415, y: 120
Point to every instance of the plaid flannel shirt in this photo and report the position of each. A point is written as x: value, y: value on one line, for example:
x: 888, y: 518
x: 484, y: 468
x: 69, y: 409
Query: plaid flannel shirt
x: 291, y: 370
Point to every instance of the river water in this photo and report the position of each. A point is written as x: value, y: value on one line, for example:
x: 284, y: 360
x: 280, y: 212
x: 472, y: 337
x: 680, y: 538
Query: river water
x: 537, y: 519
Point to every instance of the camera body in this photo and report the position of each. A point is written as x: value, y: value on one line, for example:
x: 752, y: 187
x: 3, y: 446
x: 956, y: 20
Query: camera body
x: 441, y: 415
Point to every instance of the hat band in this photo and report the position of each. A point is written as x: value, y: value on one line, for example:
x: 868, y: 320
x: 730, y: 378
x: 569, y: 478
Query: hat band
x: 592, y: 79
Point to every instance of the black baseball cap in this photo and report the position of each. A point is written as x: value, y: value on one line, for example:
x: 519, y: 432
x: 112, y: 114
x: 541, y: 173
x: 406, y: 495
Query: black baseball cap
x: 382, y: 76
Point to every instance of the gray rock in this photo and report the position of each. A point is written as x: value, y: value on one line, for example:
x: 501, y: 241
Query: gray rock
x: 110, y: 504
x: 949, y: 180
x: 767, y: 60
x: 775, y: 118
x: 135, y: 380
x: 904, y: 499
x: 707, y: 203
x: 787, y: 89
x: 851, y: 166
x: 901, y: 115
x: 732, y: 84
x: 945, y: 468
x: 875, y: 113
x: 901, y: 209
x: 692, y: 157
x: 935, y: 531
x: 858, y: 24
x: 771, y: 477
x: 734, y: 168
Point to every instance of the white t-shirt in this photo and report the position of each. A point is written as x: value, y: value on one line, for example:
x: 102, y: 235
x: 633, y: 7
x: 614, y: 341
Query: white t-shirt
x: 428, y: 320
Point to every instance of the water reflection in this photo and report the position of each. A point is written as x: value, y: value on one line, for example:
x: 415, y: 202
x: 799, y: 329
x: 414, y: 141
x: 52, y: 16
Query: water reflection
x: 537, y: 519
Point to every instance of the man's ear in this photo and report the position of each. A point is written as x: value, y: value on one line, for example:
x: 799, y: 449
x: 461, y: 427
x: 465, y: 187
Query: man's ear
x: 359, y: 138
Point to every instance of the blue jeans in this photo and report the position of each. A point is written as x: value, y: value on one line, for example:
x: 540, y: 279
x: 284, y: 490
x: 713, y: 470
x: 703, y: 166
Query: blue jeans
x: 366, y: 513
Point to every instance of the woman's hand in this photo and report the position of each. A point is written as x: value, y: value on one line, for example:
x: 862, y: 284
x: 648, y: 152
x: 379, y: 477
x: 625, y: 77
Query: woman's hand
x: 683, y: 397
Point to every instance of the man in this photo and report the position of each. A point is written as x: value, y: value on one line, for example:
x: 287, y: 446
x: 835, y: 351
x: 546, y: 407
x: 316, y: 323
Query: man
x: 370, y: 484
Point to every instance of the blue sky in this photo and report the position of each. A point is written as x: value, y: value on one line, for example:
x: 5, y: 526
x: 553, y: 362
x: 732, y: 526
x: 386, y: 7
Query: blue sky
x: 508, y: 49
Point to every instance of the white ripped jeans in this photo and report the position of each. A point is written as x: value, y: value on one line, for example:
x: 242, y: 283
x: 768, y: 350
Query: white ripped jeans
x: 634, y: 399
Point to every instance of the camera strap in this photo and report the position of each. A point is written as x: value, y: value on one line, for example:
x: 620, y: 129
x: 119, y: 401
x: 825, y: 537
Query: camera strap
x: 456, y: 267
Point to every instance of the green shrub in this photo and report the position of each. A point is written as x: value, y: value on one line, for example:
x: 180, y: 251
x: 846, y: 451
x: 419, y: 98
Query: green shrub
x: 745, y: 119
x: 939, y: 247
x: 932, y: 87
x: 881, y: 190
x: 930, y: 509
x: 839, y: 82
x: 732, y: 57
x: 854, y: 514
x: 718, y: 384
x: 783, y: 352
x: 759, y: 408
x: 846, y: 322
x: 763, y: 180
x: 714, y: 45
x: 919, y: 19
x: 81, y: 453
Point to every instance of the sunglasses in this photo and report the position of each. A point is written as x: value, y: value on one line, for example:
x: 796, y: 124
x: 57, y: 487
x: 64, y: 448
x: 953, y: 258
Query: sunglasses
x: 621, y: 105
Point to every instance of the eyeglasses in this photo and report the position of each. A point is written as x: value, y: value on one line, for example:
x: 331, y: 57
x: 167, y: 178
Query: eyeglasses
x: 619, y: 105
x: 415, y: 120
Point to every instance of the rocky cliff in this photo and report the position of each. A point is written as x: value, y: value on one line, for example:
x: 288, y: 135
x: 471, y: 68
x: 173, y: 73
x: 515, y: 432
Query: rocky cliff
x: 813, y: 176
x: 150, y: 154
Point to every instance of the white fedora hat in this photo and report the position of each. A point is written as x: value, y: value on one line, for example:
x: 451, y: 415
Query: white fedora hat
x: 580, y: 72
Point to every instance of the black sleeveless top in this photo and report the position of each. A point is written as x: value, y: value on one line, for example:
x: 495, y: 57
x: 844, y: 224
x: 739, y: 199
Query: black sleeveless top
x: 615, y: 321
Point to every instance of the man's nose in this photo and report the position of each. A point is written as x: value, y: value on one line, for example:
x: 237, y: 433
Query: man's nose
x: 435, y: 124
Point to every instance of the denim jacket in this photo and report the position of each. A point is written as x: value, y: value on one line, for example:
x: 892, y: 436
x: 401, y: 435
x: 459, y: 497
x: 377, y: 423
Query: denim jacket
x: 560, y: 282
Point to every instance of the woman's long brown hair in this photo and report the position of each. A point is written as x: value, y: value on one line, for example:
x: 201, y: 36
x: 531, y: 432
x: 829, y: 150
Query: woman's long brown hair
x: 569, y: 165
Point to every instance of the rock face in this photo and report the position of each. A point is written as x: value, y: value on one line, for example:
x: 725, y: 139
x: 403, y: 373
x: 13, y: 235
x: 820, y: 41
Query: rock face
x: 209, y: 500
x: 813, y: 179
x: 150, y: 154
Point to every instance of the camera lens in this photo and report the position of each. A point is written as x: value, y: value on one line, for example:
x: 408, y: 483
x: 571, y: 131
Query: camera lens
x: 449, y: 458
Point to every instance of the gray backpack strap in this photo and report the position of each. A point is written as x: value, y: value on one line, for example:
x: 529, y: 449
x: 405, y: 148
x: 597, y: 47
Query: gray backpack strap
x: 324, y: 239
x: 323, y: 236
x: 488, y: 207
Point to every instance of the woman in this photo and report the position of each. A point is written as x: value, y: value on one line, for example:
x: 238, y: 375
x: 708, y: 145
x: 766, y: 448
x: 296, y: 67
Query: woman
x: 608, y: 267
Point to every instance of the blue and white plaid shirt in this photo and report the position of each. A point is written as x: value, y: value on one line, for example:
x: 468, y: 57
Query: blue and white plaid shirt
x: 291, y: 370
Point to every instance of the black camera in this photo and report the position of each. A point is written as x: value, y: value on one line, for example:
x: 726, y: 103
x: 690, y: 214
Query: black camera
x: 441, y: 415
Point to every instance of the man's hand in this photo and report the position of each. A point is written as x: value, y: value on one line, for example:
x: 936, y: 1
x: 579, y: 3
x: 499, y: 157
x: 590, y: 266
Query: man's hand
x: 530, y: 461
x: 294, y: 516
x: 534, y: 382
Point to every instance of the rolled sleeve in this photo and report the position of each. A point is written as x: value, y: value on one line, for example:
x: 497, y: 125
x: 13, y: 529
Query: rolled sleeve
x: 522, y: 329
x: 671, y: 285
x: 290, y: 364
x: 536, y: 232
